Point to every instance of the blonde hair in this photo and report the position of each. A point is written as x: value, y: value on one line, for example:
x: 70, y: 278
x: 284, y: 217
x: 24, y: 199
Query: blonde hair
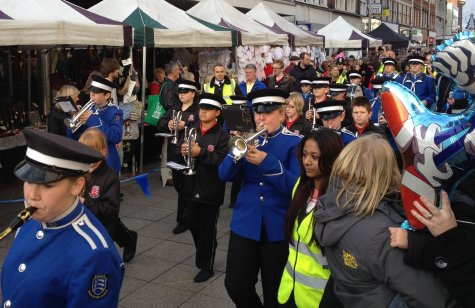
x: 368, y: 170
x: 296, y: 98
x: 94, y: 138
x: 68, y: 90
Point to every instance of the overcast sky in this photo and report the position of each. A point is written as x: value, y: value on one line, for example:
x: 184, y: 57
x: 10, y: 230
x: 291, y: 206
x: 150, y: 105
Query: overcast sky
x: 468, y: 8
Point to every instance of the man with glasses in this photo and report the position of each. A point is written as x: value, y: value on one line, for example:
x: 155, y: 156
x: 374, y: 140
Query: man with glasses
x: 303, y: 70
x: 251, y: 83
x: 280, y: 80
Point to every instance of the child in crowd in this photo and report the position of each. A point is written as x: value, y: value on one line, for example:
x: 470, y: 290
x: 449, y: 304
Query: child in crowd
x: 361, y: 112
x: 294, y: 120
x: 207, y: 152
x: 306, y: 88
x: 102, y: 195
x: 332, y: 113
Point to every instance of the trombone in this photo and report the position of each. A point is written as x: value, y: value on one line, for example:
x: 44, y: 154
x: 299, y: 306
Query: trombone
x: 16, y: 223
x: 75, y: 122
x: 239, y: 146
x: 190, y: 138
x: 176, y: 117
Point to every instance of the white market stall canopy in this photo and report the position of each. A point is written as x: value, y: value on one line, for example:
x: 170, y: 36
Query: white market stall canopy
x: 340, y: 34
x: 220, y: 13
x: 160, y: 24
x: 57, y: 22
x: 269, y: 18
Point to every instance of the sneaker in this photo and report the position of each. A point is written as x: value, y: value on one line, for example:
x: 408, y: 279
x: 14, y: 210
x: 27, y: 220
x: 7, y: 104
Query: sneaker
x: 130, y: 248
x: 180, y: 228
x: 203, y: 275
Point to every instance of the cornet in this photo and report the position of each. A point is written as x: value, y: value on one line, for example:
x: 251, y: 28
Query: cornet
x: 176, y: 117
x: 75, y: 122
x: 239, y: 146
x: 21, y: 218
x: 190, y: 138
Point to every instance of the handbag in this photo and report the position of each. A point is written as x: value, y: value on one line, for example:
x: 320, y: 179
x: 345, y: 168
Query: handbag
x: 154, y: 110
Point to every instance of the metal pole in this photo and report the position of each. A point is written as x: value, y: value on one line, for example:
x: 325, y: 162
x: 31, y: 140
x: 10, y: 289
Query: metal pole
x: 144, y: 60
x: 28, y: 76
x: 10, y: 73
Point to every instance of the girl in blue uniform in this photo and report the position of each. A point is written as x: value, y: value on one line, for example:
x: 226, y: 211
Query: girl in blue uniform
x: 63, y: 256
x: 269, y: 172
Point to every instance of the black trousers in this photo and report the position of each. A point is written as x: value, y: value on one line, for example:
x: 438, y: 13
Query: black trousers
x: 202, y: 219
x: 245, y: 258
x: 235, y: 188
x: 180, y: 181
x: 122, y: 235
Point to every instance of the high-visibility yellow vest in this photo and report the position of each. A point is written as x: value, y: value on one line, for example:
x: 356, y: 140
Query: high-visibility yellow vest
x: 306, y: 272
x: 342, y: 79
x: 228, y: 90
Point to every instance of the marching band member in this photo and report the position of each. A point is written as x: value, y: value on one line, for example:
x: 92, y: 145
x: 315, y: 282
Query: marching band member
x: 332, y: 113
x: 320, y: 89
x: 421, y: 84
x: 63, y: 256
x: 102, y: 195
x: 189, y: 111
x: 294, y: 120
x: 207, y: 151
x: 269, y: 172
x: 105, y: 116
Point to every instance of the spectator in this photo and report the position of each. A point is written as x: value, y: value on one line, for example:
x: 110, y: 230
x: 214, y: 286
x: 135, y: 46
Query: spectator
x: 303, y: 70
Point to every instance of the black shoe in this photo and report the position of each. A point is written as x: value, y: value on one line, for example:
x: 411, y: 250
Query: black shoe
x: 231, y: 205
x: 130, y: 247
x: 203, y: 275
x: 180, y: 228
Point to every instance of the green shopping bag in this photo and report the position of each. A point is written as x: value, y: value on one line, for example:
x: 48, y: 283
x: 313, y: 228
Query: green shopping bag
x: 154, y: 110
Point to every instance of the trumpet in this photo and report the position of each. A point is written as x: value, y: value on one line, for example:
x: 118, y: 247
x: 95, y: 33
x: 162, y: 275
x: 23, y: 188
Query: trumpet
x: 176, y: 117
x: 190, y: 138
x: 16, y: 223
x: 239, y: 146
x: 75, y: 122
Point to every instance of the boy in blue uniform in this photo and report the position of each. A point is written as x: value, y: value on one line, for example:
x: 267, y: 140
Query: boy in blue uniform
x: 376, y: 108
x: 208, y: 151
x: 105, y: 116
x: 63, y: 256
x: 269, y: 173
x: 332, y: 113
x: 306, y: 91
x: 421, y: 84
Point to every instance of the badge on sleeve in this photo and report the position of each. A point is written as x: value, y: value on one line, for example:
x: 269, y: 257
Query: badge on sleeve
x: 98, y: 286
x: 210, y: 148
x: 95, y: 192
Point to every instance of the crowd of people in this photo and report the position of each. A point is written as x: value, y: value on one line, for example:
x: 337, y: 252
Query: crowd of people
x: 315, y: 190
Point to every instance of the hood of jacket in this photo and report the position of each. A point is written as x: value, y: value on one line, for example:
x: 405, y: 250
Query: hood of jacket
x: 333, y: 222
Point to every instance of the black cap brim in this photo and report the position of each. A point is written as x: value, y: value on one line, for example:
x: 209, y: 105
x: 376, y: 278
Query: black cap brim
x: 31, y: 173
x: 98, y: 90
x: 262, y: 108
x: 329, y: 115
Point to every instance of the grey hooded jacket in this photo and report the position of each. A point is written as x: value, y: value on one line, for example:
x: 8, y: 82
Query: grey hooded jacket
x: 367, y: 271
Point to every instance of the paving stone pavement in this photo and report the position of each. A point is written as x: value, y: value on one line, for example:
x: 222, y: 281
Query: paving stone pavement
x: 161, y: 274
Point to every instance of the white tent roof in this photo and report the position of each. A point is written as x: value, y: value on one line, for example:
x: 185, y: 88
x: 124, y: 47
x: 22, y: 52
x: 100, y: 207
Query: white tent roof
x: 54, y: 22
x: 266, y: 16
x: 219, y: 12
x: 177, y: 29
x: 338, y: 32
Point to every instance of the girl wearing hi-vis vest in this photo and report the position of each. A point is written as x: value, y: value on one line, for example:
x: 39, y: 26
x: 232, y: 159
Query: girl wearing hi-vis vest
x: 306, y: 273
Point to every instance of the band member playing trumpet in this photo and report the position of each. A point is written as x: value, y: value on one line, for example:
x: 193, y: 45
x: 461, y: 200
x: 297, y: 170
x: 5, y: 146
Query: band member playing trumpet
x: 63, y: 256
x: 269, y: 173
x: 103, y: 115
x: 188, y: 113
x: 208, y: 151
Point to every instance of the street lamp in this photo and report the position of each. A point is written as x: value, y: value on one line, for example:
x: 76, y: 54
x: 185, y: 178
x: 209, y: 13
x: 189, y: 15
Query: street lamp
x: 461, y: 3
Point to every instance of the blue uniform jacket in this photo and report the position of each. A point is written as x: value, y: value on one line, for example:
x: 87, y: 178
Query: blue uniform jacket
x: 346, y: 135
x: 375, y: 108
x: 266, y: 188
x: 72, y: 263
x: 421, y: 84
x: 110, y: 121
